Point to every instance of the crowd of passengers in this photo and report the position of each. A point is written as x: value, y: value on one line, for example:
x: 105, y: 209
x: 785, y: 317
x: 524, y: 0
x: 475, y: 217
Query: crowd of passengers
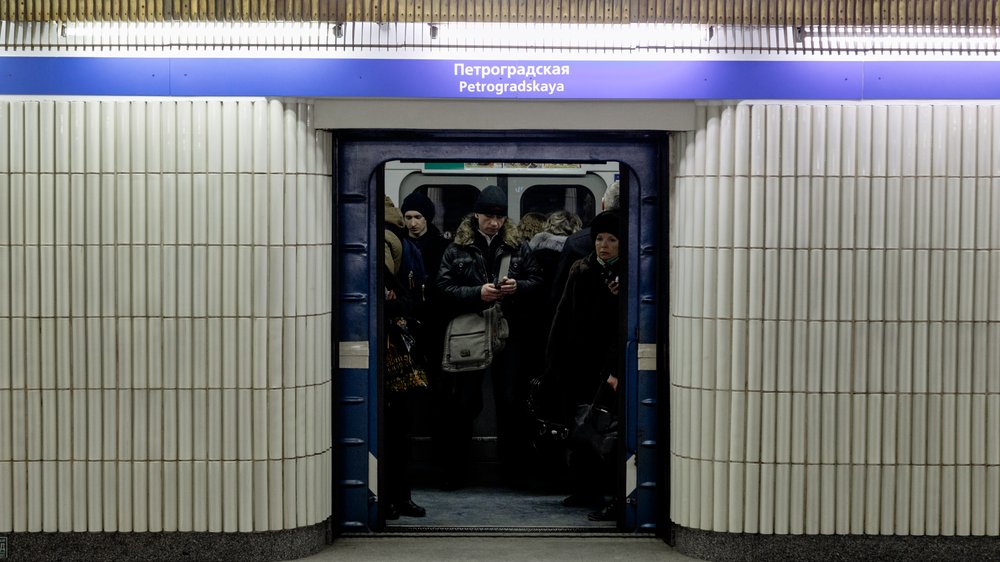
x: 560, y: 298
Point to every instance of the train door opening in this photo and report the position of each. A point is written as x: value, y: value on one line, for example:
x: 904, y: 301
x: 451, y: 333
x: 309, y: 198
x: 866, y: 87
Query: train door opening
x: 514, y: 469
x: 538, y: 174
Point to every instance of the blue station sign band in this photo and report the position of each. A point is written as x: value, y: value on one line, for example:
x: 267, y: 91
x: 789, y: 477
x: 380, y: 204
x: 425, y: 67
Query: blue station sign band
x: 500, y: 79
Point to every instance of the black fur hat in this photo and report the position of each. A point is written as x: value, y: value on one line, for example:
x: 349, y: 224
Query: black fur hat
x: 492, y: 201
x: 605, y: 222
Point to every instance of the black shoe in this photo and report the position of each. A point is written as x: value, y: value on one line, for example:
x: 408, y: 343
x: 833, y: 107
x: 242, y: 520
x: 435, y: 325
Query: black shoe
x: 391, y: 512
x: 411, y: 509
x: 606, y: 513
x: 582, y: 500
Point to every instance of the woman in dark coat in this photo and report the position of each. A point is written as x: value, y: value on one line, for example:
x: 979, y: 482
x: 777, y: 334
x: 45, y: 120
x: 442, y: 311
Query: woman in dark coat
x: 583, y: 353
x: 546, y: 247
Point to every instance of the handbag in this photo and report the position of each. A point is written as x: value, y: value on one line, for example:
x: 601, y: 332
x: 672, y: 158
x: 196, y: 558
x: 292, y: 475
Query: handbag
x: 595, y: 428
x: 473, y: 339
x: 545, y: 429
x: 402, y: 369
x: 548, y: 430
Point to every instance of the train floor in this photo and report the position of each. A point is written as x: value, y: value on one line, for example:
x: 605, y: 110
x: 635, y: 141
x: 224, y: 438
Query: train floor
x: 495, y: 508
x: 491, y: 501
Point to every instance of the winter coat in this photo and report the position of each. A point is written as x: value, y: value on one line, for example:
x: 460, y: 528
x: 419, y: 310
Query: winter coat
x: 463, y: 269
x: 583, y: 342
x: 576, y: 246
x: 432, y: 246
x: 547, y: 248
x: 430, y: 331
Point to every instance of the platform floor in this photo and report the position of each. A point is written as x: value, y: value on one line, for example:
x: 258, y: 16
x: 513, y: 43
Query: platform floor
x: 513, y: 548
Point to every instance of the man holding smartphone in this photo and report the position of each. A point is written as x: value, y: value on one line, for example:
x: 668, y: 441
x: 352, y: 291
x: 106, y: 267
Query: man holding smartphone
x: 470, y: 280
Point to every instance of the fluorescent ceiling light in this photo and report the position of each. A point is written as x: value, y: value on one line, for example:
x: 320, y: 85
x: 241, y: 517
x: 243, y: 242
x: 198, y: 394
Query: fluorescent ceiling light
x: 572, y: 34
x: 927, y: 38
x: 440, y: 34
x: 517, y: 39
x: 184, y: 32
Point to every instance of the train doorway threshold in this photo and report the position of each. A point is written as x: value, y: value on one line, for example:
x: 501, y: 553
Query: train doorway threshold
x: 487, y: 509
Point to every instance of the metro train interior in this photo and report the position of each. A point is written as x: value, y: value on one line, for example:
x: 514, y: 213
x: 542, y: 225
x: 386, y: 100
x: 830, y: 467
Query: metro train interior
x: 531, y: 499
x: 543, y: 172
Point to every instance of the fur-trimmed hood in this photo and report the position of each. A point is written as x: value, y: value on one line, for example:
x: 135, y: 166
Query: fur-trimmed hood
x: 466, y: 231
x: 547, y: 241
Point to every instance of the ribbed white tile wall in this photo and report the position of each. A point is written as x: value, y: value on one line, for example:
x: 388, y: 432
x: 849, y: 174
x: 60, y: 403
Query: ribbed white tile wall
x: 835, y: 336
x: 165, y: 315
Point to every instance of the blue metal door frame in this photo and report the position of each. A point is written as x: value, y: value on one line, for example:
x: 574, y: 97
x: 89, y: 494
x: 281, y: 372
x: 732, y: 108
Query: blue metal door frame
x: 358, y: 155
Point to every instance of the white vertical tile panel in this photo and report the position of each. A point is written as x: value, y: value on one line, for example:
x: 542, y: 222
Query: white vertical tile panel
x: 938, y: 122
x: 903, y: 352
x: 214, y: 208
x: 119, y: 131
x: 184, y: 137
x: 863, y: 140
x: 199, y: 208
x: 24, y: 117
x: 185, y: 207
x: 126, y: 308
x: 7, y: 133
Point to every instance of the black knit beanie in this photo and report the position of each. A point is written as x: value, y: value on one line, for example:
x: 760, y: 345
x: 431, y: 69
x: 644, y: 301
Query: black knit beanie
x: 420, y: 203
x: 604, y: 222
x: 492, y: 201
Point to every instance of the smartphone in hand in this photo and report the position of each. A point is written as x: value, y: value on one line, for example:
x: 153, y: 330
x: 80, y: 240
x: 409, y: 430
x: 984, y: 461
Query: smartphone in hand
x: 504, y: 270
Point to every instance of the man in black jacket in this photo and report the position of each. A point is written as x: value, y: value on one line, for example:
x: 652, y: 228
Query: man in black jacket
x: 418, y: 214
x: 469, y: 281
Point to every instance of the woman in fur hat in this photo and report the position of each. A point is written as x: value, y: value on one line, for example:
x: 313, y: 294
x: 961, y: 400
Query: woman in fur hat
x: 582, y: 354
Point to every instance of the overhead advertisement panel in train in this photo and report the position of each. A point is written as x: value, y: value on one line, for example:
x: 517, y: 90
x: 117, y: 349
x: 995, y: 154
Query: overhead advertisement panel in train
x: 507, y: 168
x: 500, y: 79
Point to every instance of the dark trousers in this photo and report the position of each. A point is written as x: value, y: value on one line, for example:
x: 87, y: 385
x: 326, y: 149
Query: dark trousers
x: 589, y: 474
x: 396, y: 457
x: 462, y: 402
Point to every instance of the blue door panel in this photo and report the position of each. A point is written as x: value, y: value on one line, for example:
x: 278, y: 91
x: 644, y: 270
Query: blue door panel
x: 353, y: 386
x: 359, y: 155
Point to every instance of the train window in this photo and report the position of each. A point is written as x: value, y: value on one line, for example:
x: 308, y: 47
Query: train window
x: 531, y: 187
x: 452, y: 201
x: 555, y: 197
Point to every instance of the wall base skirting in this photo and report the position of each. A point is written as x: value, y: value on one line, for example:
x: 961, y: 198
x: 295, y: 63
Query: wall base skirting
x: 709, y: 545
x: 175, y: 546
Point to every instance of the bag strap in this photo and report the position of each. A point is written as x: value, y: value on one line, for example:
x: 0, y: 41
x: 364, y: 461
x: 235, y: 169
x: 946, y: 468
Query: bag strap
x: 600, y: 387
